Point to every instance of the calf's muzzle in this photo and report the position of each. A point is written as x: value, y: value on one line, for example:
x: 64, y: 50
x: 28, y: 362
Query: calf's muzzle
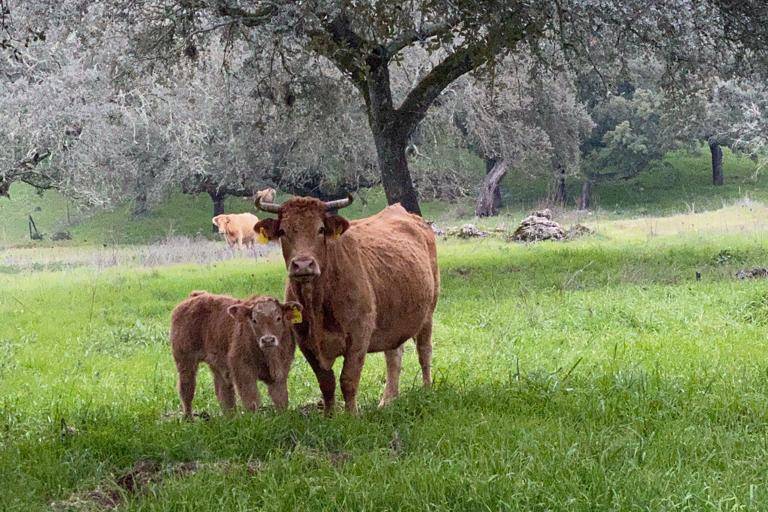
x: 267, y: 341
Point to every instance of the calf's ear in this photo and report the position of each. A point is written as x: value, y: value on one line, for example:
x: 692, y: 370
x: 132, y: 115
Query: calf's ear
x: 238, y: 311
x: 335, y: 225
x: 267, y: 230
x: 216, y: 220
x: 292, y: 311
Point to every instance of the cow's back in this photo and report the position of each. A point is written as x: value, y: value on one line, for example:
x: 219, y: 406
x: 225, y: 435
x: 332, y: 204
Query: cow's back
x: 200, y: 325
x: 398, y: 259
x: 242, y: 222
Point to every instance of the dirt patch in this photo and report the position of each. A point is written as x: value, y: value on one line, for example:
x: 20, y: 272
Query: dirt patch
x: 752, y: 273
x: 112, y: 493
x: 178, y: 416
x: 338, y: 459
x: 462, y: 271
x: 115, y: 491
x: 578, y: 231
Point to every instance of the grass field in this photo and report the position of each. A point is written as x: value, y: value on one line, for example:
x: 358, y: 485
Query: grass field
x: 596, y: 374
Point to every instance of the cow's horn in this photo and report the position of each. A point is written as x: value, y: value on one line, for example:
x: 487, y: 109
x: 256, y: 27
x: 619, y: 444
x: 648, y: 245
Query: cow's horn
x: 266, y: 207
x: 339, y: 203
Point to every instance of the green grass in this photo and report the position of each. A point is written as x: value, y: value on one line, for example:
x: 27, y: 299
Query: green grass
x: 48, y: 210
x: 683, y: 180
x: 596, y: 374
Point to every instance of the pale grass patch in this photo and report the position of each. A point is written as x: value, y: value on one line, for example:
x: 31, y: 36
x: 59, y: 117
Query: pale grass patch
x: 171, y: 251
x: 744, y: 217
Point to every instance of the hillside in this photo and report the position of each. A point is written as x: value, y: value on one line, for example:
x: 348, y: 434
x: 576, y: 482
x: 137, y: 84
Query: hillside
x: 680, y: 183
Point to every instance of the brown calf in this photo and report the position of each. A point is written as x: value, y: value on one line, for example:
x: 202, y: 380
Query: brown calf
x: 242, y: 341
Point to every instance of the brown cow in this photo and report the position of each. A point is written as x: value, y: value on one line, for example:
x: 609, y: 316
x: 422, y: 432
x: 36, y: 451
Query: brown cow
x: 241, y: 340
x: 366, y: 286
x: 237, y: 228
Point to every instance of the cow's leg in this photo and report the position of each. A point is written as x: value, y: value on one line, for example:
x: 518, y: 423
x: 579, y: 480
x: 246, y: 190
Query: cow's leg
x: 424, y: 348
x: 350, y: 377
x: 225, y: 392
x: 325, y: 378
x: 187, y: 369
x: 278, y: 391
x: 394, y: 360
x: 245, y: 381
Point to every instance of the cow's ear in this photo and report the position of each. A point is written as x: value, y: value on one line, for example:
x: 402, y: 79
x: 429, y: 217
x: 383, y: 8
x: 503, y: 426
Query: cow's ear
x: 335, y: 225
x: 267, y: 229
x: 292, y: 311
x: 216, y: 219
x: 239, y: 311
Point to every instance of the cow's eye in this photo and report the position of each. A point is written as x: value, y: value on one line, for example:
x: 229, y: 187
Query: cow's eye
x: 321, y: 231
x: 280, y: 232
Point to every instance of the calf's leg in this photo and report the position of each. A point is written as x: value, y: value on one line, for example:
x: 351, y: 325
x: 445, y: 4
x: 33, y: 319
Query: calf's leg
x: 278, y: 391
x: 245, y: 382
x: 225, y: 392
x: 187, y: 369
x: 394, y: 360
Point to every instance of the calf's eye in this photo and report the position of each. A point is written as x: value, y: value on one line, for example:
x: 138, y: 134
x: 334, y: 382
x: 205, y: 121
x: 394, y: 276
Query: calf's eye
x: 280, y: 232
x: 321, y: 231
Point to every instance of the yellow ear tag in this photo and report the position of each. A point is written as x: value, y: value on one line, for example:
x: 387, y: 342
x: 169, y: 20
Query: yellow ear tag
x: 336, y: 234
x: 261, y: 237
x: 296, y: 318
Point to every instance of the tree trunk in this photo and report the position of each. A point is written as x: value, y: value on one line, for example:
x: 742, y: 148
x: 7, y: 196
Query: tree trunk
x: 560, y: 196
x: 490, y: 163
x: 717, y: 162
x: 218, y: 206
x: 486, y: 201
x: 391, y: 131
x: 395, y: 175
x: 140, y: 205
x: 586, y: 195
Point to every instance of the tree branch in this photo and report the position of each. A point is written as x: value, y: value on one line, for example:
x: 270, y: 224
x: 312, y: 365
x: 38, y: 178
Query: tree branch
x: 425, y: 32
x: 206, y: 184
x: 25, y: 172
x: 415, y: 106
x: 247, y: 18
x: 342, y: 46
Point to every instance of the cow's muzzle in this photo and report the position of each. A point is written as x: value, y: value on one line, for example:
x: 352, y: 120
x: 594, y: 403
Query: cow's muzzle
x: 303, y: 269
x: 267, y: 341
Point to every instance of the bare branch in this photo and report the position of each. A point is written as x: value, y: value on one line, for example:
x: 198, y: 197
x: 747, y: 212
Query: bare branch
x: 248, y: 18
x: 460, y: 62
x: 342, y: 46
x: 427, y: 31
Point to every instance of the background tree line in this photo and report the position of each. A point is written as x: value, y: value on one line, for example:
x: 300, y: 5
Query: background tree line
x: 128, y: 100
